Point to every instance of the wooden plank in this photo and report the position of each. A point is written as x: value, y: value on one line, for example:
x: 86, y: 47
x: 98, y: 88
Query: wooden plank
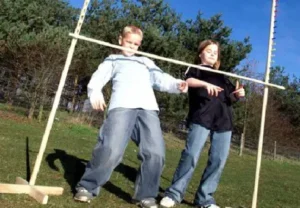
x: 21, y: 181
x: 100, y: 42
x: 38, y: 195
x: 22, y: 187
x: 14, y: 189
x: 49, y: 190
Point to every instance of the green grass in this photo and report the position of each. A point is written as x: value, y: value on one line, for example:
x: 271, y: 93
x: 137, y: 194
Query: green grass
x: 70, y: 145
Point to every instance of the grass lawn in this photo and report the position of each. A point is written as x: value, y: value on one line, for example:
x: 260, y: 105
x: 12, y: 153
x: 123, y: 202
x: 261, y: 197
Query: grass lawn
x: 70, y: 145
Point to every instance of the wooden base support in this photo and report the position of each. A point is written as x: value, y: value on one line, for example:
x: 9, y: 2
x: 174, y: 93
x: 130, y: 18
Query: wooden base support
x: 39, y: 193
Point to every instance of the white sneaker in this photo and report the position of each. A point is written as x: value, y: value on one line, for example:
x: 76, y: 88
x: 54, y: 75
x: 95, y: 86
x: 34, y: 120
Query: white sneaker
x: 210, y: 206
x: 167, y: 202
x: 148, y: 203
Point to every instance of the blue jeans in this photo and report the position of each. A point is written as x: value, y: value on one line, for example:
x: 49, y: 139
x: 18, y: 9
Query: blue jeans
x: 143, y: 126
x: 218, y: 153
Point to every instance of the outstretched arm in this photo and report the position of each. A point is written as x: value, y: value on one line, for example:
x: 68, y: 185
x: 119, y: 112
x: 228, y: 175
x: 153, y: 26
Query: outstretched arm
x: 164, y: 82
x: 212, y: 90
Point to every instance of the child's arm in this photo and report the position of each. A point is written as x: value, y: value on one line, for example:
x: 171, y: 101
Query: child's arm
x: 193, y: 77
x: 238, y: 93
x: 97, y: 82
x: 164, y: 82
x: 212, y: 90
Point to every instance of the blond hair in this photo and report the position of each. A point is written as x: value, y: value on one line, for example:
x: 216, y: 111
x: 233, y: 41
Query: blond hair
x: 201, y: 48
x: 133, y: 30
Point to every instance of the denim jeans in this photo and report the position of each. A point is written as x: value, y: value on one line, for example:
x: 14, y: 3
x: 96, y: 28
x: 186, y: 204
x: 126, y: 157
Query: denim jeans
x: 143, y: 126
x: 218, y: 153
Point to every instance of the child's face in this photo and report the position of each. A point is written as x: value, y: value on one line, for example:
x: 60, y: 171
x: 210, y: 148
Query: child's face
x: 132, y: 41
x: 209, y: 55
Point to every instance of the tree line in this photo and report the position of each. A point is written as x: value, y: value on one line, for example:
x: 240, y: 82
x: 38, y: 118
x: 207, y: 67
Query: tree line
x: 34, y: 42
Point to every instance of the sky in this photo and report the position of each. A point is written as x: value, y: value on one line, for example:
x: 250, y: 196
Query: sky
x: 251, y: 18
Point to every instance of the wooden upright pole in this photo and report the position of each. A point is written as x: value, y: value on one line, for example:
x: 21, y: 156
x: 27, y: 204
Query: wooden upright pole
x: 58, y: 95
x: 264, y: 106
x: 40, y: 193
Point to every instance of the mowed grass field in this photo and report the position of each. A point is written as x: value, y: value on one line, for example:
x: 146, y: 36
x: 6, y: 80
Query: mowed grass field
x: 69, y: 148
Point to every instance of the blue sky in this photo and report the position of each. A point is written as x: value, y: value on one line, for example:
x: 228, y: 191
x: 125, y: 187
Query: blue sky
x: 252, y: 18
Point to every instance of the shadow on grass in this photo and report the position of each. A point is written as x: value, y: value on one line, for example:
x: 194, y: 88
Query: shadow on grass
x: 74, y: 168
x: 28, y: 170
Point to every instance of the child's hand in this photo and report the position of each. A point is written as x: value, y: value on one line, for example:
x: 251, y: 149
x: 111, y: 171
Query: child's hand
x: 98, y: 103
x: 183, y: 86
x: 213, y: 90
x: 239, y: 90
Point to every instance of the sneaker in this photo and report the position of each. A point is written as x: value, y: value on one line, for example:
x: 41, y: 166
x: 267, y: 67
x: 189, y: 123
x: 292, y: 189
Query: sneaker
x: 209, y: 206
x: 147, y: 203
x: 167, y: 202
x: 83, y: 195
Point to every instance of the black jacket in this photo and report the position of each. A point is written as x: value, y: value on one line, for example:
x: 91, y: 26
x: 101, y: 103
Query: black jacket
x: 214, y: 113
